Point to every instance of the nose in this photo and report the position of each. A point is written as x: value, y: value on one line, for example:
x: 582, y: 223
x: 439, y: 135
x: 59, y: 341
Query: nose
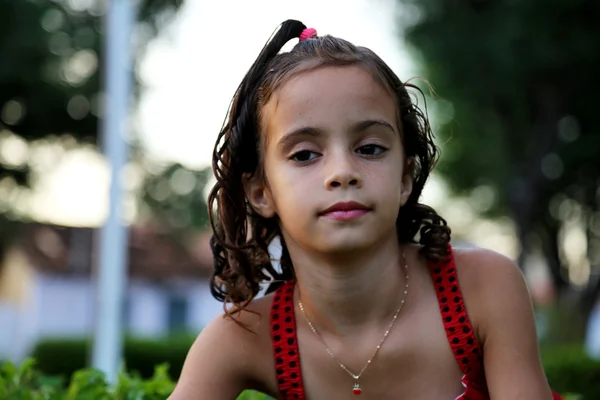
x: 342, y: 172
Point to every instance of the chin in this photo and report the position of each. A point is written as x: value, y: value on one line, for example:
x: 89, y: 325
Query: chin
x: 341, y: 238
x: 334, y: 243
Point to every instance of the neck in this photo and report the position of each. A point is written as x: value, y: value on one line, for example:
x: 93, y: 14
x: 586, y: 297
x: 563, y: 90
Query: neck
x: 343, y: 293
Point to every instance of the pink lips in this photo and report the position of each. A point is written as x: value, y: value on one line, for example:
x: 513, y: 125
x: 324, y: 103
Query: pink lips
x: 346, y: 211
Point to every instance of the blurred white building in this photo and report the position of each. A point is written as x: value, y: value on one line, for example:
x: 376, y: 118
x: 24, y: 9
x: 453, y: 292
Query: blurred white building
x: 47, y: 287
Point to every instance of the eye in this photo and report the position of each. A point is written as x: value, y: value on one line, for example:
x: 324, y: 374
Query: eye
x: 371, y: 150
x: 304, y: 156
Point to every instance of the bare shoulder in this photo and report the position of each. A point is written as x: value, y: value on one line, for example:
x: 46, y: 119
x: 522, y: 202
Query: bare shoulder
x: 485, y: 274
x: 489, y: 280
x: 500, y: 309
x: 478, y: 265
x: 229, y: 356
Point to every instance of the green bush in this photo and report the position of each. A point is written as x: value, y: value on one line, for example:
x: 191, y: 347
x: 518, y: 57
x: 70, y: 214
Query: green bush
x: 569, y: 370
x: 65, y: 356
x: 25, y: 383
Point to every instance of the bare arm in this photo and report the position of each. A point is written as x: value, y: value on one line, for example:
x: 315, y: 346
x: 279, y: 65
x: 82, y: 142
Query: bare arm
x: 506, y: 328
x: 217, y: 365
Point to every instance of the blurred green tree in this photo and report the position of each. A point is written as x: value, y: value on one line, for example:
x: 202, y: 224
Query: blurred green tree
x: 50, y: 78
x: 51, y: 67
x: 519, y: 118
x: 175, y: 197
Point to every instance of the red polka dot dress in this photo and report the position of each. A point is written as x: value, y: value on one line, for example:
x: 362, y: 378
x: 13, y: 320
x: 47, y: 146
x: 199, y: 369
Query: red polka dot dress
x: 459, y: 331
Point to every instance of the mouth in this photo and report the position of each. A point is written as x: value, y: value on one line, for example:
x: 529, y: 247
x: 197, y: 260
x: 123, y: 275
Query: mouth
x: 346, y: 211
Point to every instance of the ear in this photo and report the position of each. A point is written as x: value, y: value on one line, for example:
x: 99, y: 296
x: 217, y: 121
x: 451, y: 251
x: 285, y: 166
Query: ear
x: 408, y: 178
x: 258, y: 195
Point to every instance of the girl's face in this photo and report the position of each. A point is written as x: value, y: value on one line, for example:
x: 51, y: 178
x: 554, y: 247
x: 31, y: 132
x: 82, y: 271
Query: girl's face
x: 334, y: 166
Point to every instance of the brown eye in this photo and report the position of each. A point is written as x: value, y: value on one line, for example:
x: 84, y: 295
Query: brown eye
x: 371, y: 150
x: 304, y: 156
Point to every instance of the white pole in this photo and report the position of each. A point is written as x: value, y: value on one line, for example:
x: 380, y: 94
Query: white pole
x: 112, y: 261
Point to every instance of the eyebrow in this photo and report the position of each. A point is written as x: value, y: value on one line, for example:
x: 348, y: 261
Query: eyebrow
x: 308, y: 131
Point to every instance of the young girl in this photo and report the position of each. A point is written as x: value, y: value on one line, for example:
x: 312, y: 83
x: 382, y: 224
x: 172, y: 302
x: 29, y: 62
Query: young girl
x: 324, y: 148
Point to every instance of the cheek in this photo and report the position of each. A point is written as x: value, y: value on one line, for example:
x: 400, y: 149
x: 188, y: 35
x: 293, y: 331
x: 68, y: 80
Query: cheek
x: 290, y: 190
x: 387, y: 180
x: 283, y: 184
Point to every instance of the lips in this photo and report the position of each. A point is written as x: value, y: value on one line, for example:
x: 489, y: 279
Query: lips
x: 346, y: 211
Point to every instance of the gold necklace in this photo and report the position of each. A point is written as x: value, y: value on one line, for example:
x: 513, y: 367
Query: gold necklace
x: 356, y: 388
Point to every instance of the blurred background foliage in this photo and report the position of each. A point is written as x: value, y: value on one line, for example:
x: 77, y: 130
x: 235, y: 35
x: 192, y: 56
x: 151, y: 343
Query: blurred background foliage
x: 51, y: 98
x: 519, y: 124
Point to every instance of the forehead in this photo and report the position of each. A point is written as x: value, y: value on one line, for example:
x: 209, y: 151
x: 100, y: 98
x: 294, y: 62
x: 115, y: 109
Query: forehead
x: 326, y: 97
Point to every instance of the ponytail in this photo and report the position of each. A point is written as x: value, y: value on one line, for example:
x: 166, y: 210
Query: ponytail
x: 242, y: 120
x: 239, y: 268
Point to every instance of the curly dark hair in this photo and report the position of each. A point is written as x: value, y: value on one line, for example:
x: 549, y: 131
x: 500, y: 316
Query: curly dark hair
x: 240, y: 235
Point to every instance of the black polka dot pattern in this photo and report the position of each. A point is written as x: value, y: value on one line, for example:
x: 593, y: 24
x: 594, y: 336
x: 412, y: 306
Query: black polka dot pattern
x: 459, y: 331
x: 285, y: 343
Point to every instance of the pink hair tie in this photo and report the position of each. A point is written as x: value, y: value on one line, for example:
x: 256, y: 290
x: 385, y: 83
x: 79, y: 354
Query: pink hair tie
x: 308, y: 33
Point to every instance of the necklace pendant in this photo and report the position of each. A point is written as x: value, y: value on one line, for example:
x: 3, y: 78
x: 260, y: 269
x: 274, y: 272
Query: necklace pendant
x: 357, y: 389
